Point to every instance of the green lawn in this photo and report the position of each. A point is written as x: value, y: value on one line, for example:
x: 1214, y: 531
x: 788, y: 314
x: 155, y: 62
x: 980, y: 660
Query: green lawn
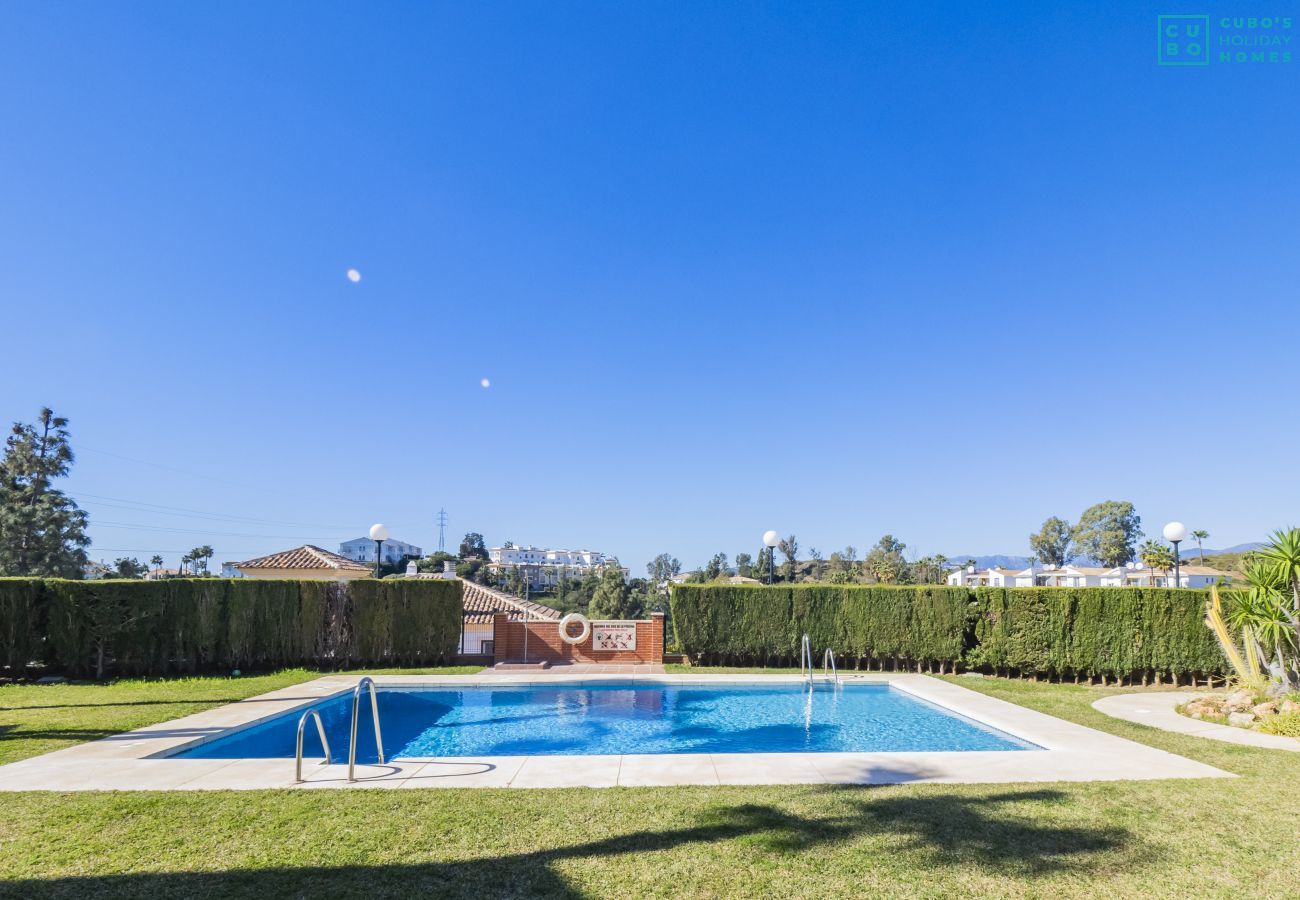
x: 1220, y: 837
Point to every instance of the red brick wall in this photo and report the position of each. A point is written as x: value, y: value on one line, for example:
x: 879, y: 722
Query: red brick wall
x: 544, y: 643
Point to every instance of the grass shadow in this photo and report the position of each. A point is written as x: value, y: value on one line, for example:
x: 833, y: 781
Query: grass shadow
x: 949, y: 830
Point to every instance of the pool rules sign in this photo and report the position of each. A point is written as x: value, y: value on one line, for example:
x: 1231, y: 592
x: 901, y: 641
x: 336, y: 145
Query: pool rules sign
x: 613, y: 635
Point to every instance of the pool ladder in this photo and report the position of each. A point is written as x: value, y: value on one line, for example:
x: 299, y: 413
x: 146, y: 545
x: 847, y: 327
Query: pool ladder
x: 829, y: 670
x: 366, y: 682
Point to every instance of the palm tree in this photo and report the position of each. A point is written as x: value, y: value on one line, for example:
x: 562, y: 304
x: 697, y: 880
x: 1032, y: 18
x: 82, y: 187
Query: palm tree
x: 1280, y: 560
x: 185, y: 561
x: 1155, y: 555
x: 1201, y: 535
x: 156, y: 561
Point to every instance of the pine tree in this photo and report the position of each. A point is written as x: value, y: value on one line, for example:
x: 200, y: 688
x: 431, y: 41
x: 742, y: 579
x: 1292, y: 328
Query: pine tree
x: 613, y: 599
x: 42, y: 530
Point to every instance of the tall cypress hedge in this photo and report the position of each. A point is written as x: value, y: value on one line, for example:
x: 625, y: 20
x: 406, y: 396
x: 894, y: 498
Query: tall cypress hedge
x: 921, y: 625
x: 1057, y: 632
x: 1120, y: 632
x: 212, y: 624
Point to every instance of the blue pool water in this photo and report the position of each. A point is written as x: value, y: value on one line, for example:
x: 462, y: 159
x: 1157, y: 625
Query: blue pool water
x: 533, y: 720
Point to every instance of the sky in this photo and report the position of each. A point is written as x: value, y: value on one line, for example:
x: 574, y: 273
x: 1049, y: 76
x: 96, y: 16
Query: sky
x: 831, y: 268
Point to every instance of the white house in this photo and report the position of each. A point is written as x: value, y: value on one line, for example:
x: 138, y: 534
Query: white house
x: 1189, y: 576
x: 992, y: 577
x: 362, y: 549
x: 481, y: 604
x: 1072, y: 576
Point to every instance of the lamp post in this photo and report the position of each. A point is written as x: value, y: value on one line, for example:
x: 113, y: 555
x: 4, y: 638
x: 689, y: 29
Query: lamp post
x: 770, y: 540
x: 378, y: 534
x: 1174, y: 533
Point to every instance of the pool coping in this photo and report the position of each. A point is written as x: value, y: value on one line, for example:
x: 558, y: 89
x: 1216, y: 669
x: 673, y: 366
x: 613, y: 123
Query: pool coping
x: 140, y: 760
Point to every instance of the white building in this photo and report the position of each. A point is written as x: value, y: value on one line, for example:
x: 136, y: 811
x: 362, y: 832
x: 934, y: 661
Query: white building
x: 1189, y: 576
x: 542, y: 568
x: 1072, y: 576
x: 1132, y: 575
x: 993, y: 577
x: 362, y: 549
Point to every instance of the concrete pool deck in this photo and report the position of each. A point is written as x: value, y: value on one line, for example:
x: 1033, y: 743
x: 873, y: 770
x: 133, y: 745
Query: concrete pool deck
x: 137, y: 760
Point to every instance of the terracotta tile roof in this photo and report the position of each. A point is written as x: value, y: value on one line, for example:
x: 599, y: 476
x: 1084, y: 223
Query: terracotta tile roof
x: 307, y: 556
x: 481, y: 603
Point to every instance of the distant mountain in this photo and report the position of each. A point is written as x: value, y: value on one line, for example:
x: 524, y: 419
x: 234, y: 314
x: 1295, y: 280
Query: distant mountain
x: 1187, y: 551
x: 992, y: 562
x: 1189, y: 547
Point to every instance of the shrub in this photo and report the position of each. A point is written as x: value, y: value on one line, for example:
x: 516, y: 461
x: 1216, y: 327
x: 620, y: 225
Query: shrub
x: 1285, y: 724
x: 1119, y: 632
x: 923, y: 625
x: 205, y: 624
x: 1108, y: 631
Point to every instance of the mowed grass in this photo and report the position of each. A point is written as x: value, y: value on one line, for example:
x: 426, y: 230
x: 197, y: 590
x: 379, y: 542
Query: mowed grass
x: 1203, y: 838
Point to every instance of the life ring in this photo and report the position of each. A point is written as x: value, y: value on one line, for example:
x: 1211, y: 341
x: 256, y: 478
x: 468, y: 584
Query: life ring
x: 564, y: 628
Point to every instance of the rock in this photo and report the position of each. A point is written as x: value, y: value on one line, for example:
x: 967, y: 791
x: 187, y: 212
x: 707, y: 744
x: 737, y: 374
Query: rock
x: 972, y: 674
x: 1264, y: 709
x: 1208, y: 705
x: 1289, y: 706
x: 1240, y: 719
x: 1239, y: 700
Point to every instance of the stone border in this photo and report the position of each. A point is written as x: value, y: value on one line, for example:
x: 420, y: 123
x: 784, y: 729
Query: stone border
x: 141, y: 759
x: 1158, y: 711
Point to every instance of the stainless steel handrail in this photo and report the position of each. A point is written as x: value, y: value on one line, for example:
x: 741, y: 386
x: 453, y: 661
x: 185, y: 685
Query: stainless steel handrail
x: 366, y: 681
x: 806, y: 659
x: 828, y: 667
x: 320, y: 729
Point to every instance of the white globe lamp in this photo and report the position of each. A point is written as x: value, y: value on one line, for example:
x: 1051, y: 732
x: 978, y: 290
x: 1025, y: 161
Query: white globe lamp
x: 378, y: 534
x: 770, y: 540
x: 1174, y: 533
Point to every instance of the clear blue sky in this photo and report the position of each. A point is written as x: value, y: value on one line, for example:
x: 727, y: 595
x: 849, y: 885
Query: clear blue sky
x: 832, y: 268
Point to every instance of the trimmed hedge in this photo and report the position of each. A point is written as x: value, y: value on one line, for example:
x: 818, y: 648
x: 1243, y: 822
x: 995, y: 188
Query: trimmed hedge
x: 212, y: 624
x: 921, y: 626
x: 1110, y: 631
x: 1055, y: 632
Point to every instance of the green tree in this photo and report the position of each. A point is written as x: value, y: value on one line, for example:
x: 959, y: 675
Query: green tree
x: 42, y: 531
x: 612, y: 598
x: 472, y: 547
x: 716, y: 567
x: 1155, y: 555
x: 818, y: 564
x: 1108, y: 532
x: 156, y: 561
x: 744, y: 565
x: 200, y: 556
x: 789, y: 548
x: 1201, y: 535
x: 660, y: 572
x: 1053, y: 542
x: 885, y: 562
x: 129, y: 568
x: 764, y: 567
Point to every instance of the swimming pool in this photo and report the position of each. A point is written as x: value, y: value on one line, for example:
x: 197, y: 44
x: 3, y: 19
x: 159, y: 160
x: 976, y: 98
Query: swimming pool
x: 621, y: 718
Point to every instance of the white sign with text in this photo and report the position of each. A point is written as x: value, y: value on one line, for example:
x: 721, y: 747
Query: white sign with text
x: 613, y: 635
